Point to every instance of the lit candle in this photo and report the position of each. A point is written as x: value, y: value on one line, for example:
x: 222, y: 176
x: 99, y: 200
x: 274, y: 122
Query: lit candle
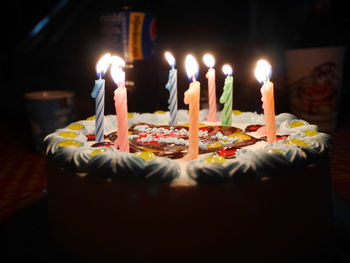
x: 98, y: 93
x: 192, y: 98
x: 209, y: 61
x: 121, y: 104
x: 226, y: 97
x: 262, y: 73
x: 172, y: 87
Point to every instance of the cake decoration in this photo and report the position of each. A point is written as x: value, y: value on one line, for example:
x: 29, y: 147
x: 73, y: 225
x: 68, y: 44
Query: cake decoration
x: 227, y: 154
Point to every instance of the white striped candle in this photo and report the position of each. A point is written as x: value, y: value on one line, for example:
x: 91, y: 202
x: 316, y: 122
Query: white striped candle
x: 172, y: 87
x: 98, y: 93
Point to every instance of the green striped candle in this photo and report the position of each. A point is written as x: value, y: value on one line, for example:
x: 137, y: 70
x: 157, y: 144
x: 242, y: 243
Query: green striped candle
x: 226, y: 97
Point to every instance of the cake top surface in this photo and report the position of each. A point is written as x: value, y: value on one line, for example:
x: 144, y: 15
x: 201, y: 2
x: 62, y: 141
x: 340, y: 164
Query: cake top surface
x: 156, y: 149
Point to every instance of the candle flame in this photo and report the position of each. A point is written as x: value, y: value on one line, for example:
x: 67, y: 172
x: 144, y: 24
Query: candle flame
x: 191, y: 66
x: 263, y: 70
x: 227, y: 69
x: 170, y: 58
x: 209, y: 60
x: 103, y: 64
x: 117, y: 61
x: 118, y: 75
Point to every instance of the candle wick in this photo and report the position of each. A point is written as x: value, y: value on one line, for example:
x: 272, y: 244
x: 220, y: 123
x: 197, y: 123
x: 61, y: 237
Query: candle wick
x: 193, y: 78
x: 100, y: 75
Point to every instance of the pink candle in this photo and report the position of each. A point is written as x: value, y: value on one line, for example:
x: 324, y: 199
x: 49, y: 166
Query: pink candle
x: 192, y: 98
x: 121, y: 107
x: 262, y: 73
x: 209, y: 61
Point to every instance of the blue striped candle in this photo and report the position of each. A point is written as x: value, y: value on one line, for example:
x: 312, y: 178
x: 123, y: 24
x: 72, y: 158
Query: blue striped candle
x: 172, y: 87
x: 98, y: 93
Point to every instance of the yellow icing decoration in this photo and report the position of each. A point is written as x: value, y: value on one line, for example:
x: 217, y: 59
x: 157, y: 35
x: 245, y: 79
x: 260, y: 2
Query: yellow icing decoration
x: 148, y: 149
x: 310, y: 132
x: 160, y: 112
x: 91, y: 118
x: 274, y: 151
x: 241, y: 136
x: 236, y: 112
x: 295, y: 124
x: 76, y: 126
x: 130, y: 115
x: 69, y: 143
x: 214, y: 145
x: 68, y: 134
x: 97, y: 151
x: 147, y: 156
x: 201, y: 125
x: 298, y: 142
x: 214, y: 159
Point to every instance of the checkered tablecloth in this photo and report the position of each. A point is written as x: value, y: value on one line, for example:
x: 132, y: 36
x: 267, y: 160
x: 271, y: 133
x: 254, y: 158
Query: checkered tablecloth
x: 23, y: 177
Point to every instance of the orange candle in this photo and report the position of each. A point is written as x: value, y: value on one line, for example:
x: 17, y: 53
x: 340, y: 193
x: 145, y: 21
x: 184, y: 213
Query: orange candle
x: 262, y: 73
x: 192, y: 98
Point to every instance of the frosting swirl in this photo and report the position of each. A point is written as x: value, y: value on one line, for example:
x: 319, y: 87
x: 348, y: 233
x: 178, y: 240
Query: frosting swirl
x: 124, y: 166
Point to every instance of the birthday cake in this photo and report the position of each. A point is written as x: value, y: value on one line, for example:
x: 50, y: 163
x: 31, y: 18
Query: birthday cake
x: 240, y: 193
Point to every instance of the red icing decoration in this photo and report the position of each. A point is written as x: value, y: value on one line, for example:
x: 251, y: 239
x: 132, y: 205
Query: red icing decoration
x: 227, y: 151
x: 102, y: 144
x: 90, y: 137
x: 281, y: 137
x: 252, y: 128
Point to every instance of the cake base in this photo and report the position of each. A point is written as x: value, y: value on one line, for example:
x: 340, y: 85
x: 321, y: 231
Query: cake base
x: 285, y: 218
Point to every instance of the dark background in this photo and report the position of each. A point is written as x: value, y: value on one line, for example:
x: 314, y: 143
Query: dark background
x: 64, y: 53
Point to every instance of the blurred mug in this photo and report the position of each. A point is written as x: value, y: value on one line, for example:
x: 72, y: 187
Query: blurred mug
x: 314, y: 80
x: 48, y: 111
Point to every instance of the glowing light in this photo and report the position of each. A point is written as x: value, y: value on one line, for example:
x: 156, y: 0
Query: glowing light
x: 170, y: 58
x: 227, y: 69
x: 209, y: 60
x: 117, y: 61
x: 191, y: 66
x: 103, y: 64
x: 118, y: 75
x: 262, y: 70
